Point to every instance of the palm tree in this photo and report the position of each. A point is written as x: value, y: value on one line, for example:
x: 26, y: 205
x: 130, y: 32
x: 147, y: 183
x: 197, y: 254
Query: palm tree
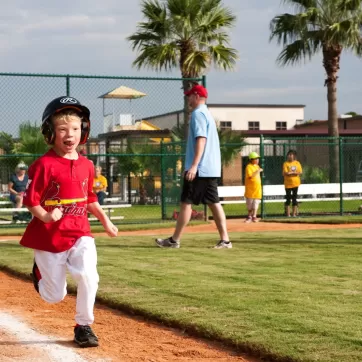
x: 31, y: 142
x: 7, y: 160
x: 330, y: 26
x: 138, y: 158
x: 186, y: 34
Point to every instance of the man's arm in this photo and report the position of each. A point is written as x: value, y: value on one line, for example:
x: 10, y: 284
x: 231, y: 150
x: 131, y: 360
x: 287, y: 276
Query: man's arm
x: 199, y: 151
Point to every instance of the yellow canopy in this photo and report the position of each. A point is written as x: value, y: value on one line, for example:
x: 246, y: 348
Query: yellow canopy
x: 123, y: 92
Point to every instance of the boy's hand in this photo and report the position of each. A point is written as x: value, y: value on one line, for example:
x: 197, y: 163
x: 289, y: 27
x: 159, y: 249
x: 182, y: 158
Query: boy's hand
x: 260, y: 170
x: 111, y: 229
x: 54, y: 215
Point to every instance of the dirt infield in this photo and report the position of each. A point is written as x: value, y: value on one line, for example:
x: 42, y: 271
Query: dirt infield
x: 237, y: 225
x: 122, y: 338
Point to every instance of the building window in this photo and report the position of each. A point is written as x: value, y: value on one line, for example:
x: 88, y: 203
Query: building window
x: 254, y: 126
x: 225, y: 125
x: 281, y: 126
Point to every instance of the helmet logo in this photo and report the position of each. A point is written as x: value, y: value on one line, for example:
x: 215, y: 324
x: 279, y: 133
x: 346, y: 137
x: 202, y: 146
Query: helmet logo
x: 69, y: 100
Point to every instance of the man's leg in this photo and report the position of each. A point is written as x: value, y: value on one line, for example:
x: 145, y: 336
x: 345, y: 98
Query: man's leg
x: 220, y: 220
x: 182, y: 220
x: 101, y: 196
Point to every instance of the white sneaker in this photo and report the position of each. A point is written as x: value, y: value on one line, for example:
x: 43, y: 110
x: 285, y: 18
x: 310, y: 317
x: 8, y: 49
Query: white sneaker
x: 248, y: 220
x: 223, y: 245
x: 167, y: 243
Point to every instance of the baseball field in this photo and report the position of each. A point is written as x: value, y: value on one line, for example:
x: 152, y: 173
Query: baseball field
x: 285, y: 292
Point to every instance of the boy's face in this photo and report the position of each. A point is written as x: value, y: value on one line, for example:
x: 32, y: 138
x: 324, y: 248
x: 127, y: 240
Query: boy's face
x: 255, y: 161
x: 67, y: 136
x: 290, y: 157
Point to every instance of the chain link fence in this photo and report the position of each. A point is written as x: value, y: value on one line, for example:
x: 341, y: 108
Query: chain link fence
x: 114, y: 101
x: 131, y: 122
x: 148, y: 176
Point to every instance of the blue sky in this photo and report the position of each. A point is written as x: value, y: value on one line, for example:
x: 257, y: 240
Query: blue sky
x: 88, y: 37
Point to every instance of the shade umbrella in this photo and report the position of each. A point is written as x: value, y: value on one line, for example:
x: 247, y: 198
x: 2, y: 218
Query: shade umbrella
x: 122, y: 92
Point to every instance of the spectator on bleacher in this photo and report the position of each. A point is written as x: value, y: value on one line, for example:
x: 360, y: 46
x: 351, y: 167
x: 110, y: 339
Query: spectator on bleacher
x: 292, y: 170
x: 253, y: 187
x: 17, y: 184
x: 100, y: 185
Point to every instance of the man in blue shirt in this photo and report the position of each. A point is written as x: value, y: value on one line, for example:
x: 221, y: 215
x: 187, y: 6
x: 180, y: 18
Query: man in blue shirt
x: 202, y: 169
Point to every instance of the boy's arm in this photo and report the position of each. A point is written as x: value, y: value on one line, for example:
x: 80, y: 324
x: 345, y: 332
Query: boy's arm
x: 46, y: 217
x: 251, y: 174
x: 95, y: 209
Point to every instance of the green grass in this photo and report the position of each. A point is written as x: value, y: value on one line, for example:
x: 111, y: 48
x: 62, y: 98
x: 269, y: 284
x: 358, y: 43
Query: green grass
x: 293, y: 296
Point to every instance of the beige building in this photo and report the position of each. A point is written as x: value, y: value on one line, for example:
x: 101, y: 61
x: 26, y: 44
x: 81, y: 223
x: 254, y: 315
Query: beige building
x: 242, y: 116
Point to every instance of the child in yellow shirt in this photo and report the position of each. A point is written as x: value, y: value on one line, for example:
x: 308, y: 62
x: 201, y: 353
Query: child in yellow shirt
x: 253, y: 187
x: 292, y: 170
x: 100, y: 185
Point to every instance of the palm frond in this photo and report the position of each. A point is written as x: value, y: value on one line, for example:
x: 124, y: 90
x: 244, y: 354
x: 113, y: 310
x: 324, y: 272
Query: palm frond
x: 196, y: 62
x: 349, y: 5
x: 211, y: 22
x: 163, y: 56
x: 179, y: 33
x: 296, y: 52
x: 223, y: 57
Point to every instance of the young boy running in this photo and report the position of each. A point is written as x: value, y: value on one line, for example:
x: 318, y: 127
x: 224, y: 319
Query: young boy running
x: 59, y: 195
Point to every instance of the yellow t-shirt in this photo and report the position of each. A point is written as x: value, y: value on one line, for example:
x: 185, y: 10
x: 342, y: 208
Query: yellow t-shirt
x: 99, y: 183
x: 292, y: 181
x: 252, y: 183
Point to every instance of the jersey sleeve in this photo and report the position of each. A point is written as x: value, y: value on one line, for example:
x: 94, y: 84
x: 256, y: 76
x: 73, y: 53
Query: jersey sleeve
x: 200, y: 125
x: 92, y: 197
x: 37, y: 182
x: 285, y: 168
x: 249, y: 171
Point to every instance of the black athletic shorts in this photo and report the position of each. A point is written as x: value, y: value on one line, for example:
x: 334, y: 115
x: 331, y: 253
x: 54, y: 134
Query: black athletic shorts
x: 201, y: 190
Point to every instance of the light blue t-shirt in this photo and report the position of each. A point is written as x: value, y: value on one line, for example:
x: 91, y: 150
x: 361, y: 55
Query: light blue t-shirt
x: 202, y: 124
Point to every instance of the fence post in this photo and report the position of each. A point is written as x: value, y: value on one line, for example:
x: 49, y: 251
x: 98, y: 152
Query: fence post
x: 163, y: 180
x: 262, y: 175
x: 204, y: 80
x: 340, y: 140
x: 67, y: 79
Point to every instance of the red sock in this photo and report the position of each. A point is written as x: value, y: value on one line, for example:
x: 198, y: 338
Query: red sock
x: 37, y: 273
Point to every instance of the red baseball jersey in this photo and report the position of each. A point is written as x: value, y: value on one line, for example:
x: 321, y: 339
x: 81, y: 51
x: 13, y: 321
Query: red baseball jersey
x: 56, y: 181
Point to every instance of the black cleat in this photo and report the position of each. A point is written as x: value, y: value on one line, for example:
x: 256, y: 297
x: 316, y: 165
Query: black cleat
x: 84, y: 337
x: 35, y: 277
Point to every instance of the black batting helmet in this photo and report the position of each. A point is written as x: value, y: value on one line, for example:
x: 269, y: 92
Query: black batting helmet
x: 57, y: 105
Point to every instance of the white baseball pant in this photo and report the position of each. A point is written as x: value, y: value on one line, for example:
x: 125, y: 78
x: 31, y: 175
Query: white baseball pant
x: 81, y: 261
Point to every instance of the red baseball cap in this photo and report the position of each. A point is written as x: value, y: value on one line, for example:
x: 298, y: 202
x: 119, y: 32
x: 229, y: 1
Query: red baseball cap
x: 197, y: 89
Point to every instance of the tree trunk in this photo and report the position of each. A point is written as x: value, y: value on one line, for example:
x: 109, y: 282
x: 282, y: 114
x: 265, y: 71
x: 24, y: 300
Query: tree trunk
x: 186, y: 47
x: 186, y: 86
x: 331, y: 60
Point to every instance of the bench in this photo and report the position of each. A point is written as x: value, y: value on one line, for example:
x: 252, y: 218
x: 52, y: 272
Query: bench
x: 306, y: 192
x: 108, y: 208
x: 6, y: 203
